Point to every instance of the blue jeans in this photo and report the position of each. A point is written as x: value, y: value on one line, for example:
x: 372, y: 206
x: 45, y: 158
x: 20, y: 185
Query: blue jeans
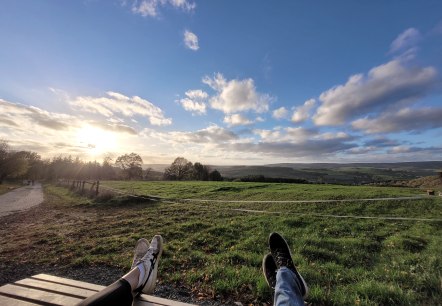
x: 287, y: 289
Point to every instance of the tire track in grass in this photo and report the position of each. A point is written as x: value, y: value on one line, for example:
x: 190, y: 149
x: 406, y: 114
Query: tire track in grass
x: 253, y: 211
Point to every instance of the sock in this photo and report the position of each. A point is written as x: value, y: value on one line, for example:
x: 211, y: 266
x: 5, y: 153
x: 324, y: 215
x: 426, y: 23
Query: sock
x: 140, y: 267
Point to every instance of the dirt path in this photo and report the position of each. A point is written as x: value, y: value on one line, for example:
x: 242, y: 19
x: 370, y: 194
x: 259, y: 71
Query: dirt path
x: 20, y: 199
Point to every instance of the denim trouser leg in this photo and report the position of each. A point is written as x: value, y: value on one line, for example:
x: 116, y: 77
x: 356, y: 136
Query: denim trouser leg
x: 287, y: 289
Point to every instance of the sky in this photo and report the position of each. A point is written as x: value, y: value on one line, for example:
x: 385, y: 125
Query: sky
x: 223, y: 82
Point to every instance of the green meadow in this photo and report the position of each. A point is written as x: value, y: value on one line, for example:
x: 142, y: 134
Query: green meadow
x: 215, y: 251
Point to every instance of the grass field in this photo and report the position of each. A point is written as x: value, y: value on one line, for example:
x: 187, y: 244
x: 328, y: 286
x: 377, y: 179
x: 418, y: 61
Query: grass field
x: 5, y: 187
x: 216, y: 252
x: 257, y: 191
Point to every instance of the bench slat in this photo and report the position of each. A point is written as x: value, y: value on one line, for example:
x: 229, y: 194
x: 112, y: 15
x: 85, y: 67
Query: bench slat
x: 4, y: 300
x: 56, y: 288
x: 68, y: 282
x: 38, y: 296
x: 162, y: 301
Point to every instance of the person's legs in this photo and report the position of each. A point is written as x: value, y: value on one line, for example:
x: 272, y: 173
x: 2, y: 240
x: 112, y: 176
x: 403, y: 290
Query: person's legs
x: 282, y: 275
x: 117, y: 294
x: 141, y: 278
x: 288, y: 288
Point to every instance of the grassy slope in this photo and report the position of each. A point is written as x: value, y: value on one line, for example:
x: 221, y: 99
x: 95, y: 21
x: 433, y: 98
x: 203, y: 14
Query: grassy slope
x: 218, y: 252
x: 256, y: 191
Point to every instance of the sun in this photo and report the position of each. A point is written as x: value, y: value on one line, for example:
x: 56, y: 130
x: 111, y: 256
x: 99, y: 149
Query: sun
x: 95, y: 140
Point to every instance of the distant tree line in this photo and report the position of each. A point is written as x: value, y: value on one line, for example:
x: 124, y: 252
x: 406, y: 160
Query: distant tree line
x: 183, y: 170
x: 31, y: 166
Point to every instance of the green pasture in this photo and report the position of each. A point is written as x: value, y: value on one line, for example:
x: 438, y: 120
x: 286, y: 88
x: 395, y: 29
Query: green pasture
x: 216, y: 252
x: 256, y: 191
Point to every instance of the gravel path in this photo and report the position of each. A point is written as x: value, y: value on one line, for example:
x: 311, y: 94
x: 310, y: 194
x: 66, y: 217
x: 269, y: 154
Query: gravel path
x: 20, y: 199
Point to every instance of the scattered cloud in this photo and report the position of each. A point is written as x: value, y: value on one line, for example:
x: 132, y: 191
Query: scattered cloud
x: 381, y: 142
x: 191, y: 40
x: 212, y: 134
x: 195, y: 101
x: 411, y: 149
x: 151, y: 8
x: 280, y: 113
x: 236, y: 95
x: 24, y: 117
x: 309, y: 149
x: 236, y: 119
x: 116, y: 103
x: 393, y: 83
x: 407, y: 39
x: 407, y: 119
x: 302, y: 113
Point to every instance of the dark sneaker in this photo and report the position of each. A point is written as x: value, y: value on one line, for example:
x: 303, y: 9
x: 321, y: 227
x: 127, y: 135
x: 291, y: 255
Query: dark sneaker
x: 150, y: 261
x: 269, y: 269
x: 283, y: 258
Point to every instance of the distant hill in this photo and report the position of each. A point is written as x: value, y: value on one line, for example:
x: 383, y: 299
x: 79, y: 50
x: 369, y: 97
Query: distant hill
x: 334, y: 173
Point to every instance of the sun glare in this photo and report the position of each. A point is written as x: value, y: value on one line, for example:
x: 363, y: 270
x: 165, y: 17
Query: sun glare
x: 97, y: 141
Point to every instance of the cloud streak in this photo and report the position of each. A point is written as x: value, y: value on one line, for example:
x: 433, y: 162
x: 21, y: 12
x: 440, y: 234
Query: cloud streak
x: 116, y: 103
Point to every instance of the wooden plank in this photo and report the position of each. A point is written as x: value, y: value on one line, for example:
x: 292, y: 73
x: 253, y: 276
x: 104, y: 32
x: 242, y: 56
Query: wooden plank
x: 56, y: 288
x: 4, y: 300
x: 68, y: 282
x: 37, y: 296
x: 144, y: 299
x: 162, y: 301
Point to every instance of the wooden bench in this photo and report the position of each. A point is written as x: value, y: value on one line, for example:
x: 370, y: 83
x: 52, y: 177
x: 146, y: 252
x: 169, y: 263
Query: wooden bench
x: 43, y: 289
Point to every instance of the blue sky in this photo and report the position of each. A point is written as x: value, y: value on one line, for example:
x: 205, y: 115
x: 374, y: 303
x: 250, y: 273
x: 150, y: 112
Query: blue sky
x: 223, y: 82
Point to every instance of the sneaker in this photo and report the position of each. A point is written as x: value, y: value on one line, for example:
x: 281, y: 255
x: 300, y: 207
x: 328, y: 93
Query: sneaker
x: 140, y: 250
x: 150, y: 262
x: 283, y: 258
x: 269, y: 269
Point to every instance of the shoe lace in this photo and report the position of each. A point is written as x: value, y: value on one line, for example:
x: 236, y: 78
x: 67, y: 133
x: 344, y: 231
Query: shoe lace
x: 281, y: 258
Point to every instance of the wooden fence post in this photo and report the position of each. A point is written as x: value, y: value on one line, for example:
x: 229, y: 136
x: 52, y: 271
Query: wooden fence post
x: 98, y: 184
x: 82, y: 186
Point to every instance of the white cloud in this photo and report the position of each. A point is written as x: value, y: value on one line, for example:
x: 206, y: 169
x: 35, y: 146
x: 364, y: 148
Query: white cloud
x: 236, y: 119
x: 302, y: 113
x: 191, y: 40
x: 236, y: 95
x: 409, y: 38
x: 121, y: 104
x: 407, y: 119
x: 280, y: 113
x: 213, y: 134
x: 151, y: 8
x: 195, y: 101
x: 385, y: 85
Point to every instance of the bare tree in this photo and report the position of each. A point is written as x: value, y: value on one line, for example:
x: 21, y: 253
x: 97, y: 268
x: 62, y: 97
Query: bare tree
x: 131, y: 165
x: 180, y: 169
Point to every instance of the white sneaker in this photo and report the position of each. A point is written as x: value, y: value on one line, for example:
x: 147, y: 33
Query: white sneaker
x: 150, y: 262
x: 140, y: 250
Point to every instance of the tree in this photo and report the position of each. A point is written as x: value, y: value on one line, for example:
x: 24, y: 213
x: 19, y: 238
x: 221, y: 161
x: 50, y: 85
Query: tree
x: 131, y: 165
x: 12, y: 164
x: 200, y: 172
x: 107, y: 171
x: 180, y: 169
x: 215, y: 176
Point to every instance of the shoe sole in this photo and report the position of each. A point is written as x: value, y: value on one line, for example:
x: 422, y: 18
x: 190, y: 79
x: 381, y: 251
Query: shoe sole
x: 297, y: 272
x: 264, y: 270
